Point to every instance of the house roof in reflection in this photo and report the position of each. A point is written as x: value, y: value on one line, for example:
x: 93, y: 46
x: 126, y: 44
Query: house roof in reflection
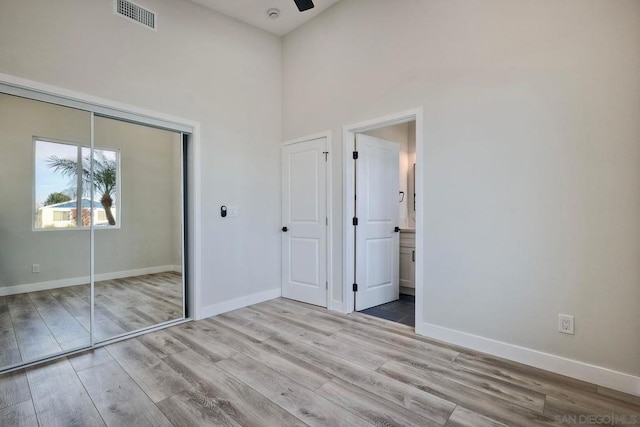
x: 86, y: 203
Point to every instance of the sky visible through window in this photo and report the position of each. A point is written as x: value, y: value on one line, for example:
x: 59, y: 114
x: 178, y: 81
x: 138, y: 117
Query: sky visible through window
x: 48, y: 180
x: 60, y: 200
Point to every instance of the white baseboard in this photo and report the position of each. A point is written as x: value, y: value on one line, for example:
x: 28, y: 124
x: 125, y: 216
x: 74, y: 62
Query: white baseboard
x: 234, y: 304
x: 74, y: 281
x: 336, y: 306
x: 572, y: 368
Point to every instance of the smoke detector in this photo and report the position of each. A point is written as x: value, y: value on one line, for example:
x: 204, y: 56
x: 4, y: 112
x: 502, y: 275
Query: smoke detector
x: 273, y: 13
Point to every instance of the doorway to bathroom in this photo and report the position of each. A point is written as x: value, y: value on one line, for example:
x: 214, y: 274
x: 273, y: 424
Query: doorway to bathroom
x: 403, y: 138
x: 381, y: 205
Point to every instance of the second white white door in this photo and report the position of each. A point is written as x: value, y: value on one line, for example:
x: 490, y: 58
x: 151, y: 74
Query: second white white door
x: 304, y: 222
x: 377, y: 210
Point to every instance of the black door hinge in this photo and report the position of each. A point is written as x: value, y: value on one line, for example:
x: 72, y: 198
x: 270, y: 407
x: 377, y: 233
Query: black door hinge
x: 355, y: 155
x: 355, y: 287
x: 355, y: 220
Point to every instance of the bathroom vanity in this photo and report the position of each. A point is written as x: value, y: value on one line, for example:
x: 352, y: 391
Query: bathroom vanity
x: 407, y: 261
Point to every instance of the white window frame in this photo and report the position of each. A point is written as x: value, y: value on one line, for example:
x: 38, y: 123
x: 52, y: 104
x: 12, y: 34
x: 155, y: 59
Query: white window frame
x: 80, y: 146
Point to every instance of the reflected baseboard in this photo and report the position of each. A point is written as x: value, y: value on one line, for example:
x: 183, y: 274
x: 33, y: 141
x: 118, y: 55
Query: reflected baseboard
x: 75, y: 281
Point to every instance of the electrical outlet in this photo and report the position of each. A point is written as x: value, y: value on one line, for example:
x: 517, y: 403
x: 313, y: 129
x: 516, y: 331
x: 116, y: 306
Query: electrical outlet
x: 35, y: 268
x: 565, y: 324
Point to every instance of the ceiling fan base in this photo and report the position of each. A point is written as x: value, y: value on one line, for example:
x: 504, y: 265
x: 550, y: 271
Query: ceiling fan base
x: 304, y: 4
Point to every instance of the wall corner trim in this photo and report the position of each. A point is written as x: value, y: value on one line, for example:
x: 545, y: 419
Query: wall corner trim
x: 236, y: 303
x: 336, y: 306
x: 560, y: 365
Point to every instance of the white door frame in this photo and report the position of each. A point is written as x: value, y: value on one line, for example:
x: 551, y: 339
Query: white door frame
x: 348, y: 136
x: 327, y: 136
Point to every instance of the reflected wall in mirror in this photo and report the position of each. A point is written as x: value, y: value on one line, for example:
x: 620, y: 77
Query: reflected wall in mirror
x: 45, y: 300
x: 70, y: 211
x: 138, y: 260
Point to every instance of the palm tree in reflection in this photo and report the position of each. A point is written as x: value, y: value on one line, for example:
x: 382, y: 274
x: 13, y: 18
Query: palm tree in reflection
x: 103, y: 179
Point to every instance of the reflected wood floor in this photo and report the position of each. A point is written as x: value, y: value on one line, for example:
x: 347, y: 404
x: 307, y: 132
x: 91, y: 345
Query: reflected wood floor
x: 37, y: 324
x: 282, y: 363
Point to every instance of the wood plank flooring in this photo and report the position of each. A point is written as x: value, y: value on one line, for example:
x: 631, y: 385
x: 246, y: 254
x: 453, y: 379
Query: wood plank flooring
x: 38, y: 324
x: 283, y: 363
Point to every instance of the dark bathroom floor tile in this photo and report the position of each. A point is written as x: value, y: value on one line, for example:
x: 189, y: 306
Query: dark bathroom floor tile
x: 400, y: 311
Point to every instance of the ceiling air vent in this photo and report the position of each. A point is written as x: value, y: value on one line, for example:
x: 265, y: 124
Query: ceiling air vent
x: 135, y: 13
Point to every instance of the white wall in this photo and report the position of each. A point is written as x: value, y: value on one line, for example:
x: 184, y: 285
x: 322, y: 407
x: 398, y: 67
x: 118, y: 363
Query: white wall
x: 532, y: 155
x: 200, y: 66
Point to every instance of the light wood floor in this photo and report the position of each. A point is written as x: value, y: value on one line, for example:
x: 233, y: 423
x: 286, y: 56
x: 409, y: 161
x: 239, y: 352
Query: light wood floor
x: 38, y: 324
x: 283, y: 363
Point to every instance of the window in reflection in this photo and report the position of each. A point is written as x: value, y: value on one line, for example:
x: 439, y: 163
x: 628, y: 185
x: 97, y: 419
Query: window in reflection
x: 63, y: 180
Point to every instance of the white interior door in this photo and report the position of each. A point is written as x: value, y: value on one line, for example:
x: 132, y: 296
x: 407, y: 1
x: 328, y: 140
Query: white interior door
x: 377, y: 238
x: 304, y: 221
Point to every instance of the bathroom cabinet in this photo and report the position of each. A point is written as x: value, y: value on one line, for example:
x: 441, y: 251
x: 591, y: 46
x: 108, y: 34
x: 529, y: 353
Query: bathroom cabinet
x: 407, y: 261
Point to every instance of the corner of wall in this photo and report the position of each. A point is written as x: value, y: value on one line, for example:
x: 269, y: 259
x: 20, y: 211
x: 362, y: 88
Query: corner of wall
x: 336, y: 306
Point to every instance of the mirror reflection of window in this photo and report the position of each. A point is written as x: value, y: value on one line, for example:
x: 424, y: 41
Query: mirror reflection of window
x: 63, y: 179
x: 105, y: 173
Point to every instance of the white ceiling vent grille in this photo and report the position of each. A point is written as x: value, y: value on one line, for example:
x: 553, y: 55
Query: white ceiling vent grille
x: 135, y: 13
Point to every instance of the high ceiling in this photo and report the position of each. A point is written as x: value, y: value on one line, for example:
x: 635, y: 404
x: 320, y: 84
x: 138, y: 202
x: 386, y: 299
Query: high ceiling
x: 254, y: 12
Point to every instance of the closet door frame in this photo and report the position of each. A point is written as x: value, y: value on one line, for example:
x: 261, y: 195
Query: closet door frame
x: 190, y: 148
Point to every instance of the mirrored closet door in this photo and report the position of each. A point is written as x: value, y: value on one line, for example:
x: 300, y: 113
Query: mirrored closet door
x: 45, y: 297
x: 91, y: 229
x: 138, y: 229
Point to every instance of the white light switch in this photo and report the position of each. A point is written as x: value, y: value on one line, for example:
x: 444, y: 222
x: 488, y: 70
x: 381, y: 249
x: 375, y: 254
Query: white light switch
x: 232, y: 210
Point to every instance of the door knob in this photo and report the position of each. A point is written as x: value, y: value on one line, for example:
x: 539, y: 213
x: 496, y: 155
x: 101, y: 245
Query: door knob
x: 285, y: 229
x: 397, y: 229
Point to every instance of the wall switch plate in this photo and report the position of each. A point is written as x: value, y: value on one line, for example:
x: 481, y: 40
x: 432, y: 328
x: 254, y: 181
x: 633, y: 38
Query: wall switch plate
x: 35, y: 268
x: 232, y: 210
x: 565, y: 324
